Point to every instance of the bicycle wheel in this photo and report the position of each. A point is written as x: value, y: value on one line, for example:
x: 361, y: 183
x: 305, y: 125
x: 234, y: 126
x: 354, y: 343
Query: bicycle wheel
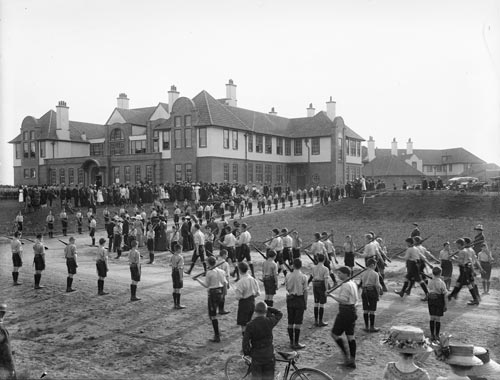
x: 237, y: 367
x: 310, y: 374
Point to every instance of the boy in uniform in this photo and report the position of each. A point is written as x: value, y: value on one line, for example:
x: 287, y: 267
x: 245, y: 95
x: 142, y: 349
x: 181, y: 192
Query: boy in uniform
x: 296, y: 303
x: 39, y: 260
x: 177, y: 263
x: 102, y: 266
x: 17, y: 257
x: 485, y: 259
x: 466, y: 260
x: 270, y: 277
x: 437, y: 302
x: 64, y: 221
x: 246, y: 289
x: 319, y: 278
x: 79, y: 221
x: 50, y: 224
x: 134, y: 260
x: 370, y: 295
x: 70, y: 255
x: 412, y: 257
x: 199, y: 248
x: 244, y: 241
x: 225, y: 268
x: 93, y: 225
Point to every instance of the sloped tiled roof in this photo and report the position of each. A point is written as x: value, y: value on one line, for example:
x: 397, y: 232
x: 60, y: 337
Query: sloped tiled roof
x: 389, y: 166
x: 435, y: 156
x: 137, y: 116
x: 47, y: 129
x: 165, y: 105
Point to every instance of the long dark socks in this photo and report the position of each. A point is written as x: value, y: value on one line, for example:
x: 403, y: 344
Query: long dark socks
x: 365, y: 317
x: 321, y: 313
x: 297, y: 335
x: 215, y: 325
x: 341, y: 344
x: 437, y: 328
x: 372, y: 320
x: 316, y: 314
x: 352, y: 348
x: 432, y: 325
x: 290, y: 334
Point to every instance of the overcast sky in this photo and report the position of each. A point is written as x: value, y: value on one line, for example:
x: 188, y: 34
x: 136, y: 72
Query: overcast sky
x: 429, y: 70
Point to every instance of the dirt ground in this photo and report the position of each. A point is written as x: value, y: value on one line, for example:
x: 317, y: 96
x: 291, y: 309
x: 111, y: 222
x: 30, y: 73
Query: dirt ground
x: 82, y: 336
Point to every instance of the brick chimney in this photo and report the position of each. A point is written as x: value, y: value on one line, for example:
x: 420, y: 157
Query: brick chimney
x: 231, y: 94
x: 122, y: 101
x: 331, y: 109
x: 394, y: 147
x: 273, y: 112
x: 409, y: 147
x: 173, y: 95
x: 311, y: 110
x: 371, y: 149
x: 62, y: 121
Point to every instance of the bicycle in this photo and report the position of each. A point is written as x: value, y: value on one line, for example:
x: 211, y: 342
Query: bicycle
x: 238, y: 367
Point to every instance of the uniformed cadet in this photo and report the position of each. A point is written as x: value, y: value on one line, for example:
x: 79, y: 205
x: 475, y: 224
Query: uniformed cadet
x: 39, y: 260
x: 244, y: 242
x: 270, y: 277
x: 319, y: 278
x: 64, y: 221
x: 276, y: 245
x: 229, y: 243
x: 150, y: 243
x: 416, y: 231
x: 296, y: 303
x: 17, y: 257
x: 371, y: 290
x: 412, y: 256
x: 93, y: 225
x: 296, y: 245
x: 246, y: 290
x: 117, y: 238
x: 19, y: 221
x: 50, y: 224
x: 134, y: 260
x: 102, y: 266
x: 225, y: 268
x: 71, y: 255
x: 287, y: 248
x: 79, y: 220
x: 177, y: 263
x: 199, y: 248
x: 89, y: 219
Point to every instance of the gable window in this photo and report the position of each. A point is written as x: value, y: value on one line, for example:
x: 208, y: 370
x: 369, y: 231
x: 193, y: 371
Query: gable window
x: 414, y: 164
x: 62, y: 176
x: 177, y: 139
x: 225, y: 138
x: 156, y: 141
x: 97, y: 149
x: 17, y: 148
x: 189, y: 172
x: 315, y: 146
x: 166, y: 140
x: 258, y: 172
x: 226, y: 172
x: 178, y: 172
x: 358, y: 148
x: 269, y: 145
x: 25, y: 135
x: 32, y: 135
x: 235, y: 172
x: 187, y: 120
x: 259, y: 143
x: 297, y: 147
x: 235, y: 139
x: 202, y: 137
x: 288, y: 147
x: 71, y: 175
x: 42, y: 149
x: 250, y: 142
x: 177, y: 121
x: 138, y: 147
x: 116, y: 142
x: 279, y: 145
x: 187, y: 137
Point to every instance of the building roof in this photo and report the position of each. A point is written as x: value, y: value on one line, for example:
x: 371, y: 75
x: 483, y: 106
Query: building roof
x: 215, y: 112
x: 436, y: 156
x: 136, y: 116
x: 47, y: 129
x: 383, y: 166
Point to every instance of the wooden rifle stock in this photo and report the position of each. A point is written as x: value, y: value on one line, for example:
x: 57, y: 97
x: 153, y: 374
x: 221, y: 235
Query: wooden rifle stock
x: 202, y: 273
x: 279, y: 235
x: 343, y: 282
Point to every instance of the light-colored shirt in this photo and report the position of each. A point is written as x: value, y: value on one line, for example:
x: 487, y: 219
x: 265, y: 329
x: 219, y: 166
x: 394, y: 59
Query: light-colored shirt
x: 318, y: 247
x: 269, y: 268
x: 215, y: 278
x: 412, y: 254
x: 199, y: 238
x: 370, y: 250
x: 287, y: 241
x: 329, y: 246
x: 39, y: 249
x: 134, y: 257
x: 246, y: 287
x: 177, y: 262
x: 16, y: 246
x: 70, y: 251
x: 320, y: 272
x: 296, y: 283
x: 436, y: 285
x: 102, y: 254
x: 245, y: 238
x: 229, y: 240
x: 276, y: 244
x: 444, y: 254
x: 348, y: 293
x: 349, y: 246
x: 370, y: 278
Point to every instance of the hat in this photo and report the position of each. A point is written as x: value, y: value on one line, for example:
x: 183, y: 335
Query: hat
x: 415, y: 224
x: 188, y: 217
x: 417, y: 239
x: 462, y: 355
x: 260, y: 307
x: 490, y: 368
x: 3, y: 307
x: 479, y: 227
x: 407, y: 340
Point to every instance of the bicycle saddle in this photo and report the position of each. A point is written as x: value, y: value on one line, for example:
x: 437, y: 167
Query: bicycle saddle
x: 288, y: 355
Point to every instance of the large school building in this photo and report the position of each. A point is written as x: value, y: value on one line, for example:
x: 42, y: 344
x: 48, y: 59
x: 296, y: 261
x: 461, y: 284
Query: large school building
x: 188, y: 139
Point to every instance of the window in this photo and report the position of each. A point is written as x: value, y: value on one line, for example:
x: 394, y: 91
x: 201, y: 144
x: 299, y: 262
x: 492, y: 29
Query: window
x: 177, y: 139
x: 32, y: 149
x: 297, y: 147
x: 116, y: 174
x: 315, y: 146
x: 428, y: 168
x: 187, y: 138
x: 26, y: 153
x: 71, y: 175
x: 358, y: 148
x: 97, y: 149
x: 25, y: 135
x: 288, y: 147
x: 258, y: 143
x: 250, y: 173
x: 279, y: 174
x: 177, y: 121
x: 225, y: 138
x: 26, y: 173
x: 32, y: 173
x: 138, y: 147
x: 269, y: 174
x: 126, y: 174
x: 53, y: 176
x: 178, y: 172
x: 414, y: 164
x: 189, y: 172
x: 149, y: 173
x: 80, y: 175
x: 287, y: 174
x: 166, y: 140
x: 187, y: 120
x: 258, y: 173
x: 235, y: 172
x: 250, y: 142
x: 18, y: 150
x: 226, y: 172
x: 138, y: 173
x: 450, y: 167
x: 234, y: 139
x: 202, y: 137
x: 341, y: 152
x: 279, y: 145
x: 269, y: 144
x: 116, y: 142
x: 62, y: 176
x: 156, y: 141
x: 347, y: 148
x: 32, y: 135
x: 41, y: 148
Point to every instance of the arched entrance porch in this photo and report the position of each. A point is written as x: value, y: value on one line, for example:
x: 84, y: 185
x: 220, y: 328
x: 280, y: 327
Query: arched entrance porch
x: 94, y: 172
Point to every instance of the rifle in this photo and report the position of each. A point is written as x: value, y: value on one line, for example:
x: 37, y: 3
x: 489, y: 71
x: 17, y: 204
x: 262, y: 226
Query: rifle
x: 348, y: 279
x: 30, y: 240
x: 8, y: 237
x: 323, y: 239
x: 205, y: 272
x: 402, y: 251
x: 471, y: 244
x: 279, y: 235
x: 265, y: 258
x: 363, y: 267
x: 62, y: 241
x: 363, y: 247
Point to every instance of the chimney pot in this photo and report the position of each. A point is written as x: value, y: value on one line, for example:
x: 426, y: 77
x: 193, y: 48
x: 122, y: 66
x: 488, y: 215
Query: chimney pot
x: 273, y: 112
x: 409, y: 147
x: 371, y: 149
x: 331, y: 109
x: 122, y: 101
x: 62, y: 120
x: 231, y: 94
x: 394, y: 147
x: 310, y: 110
x: 173, y: 95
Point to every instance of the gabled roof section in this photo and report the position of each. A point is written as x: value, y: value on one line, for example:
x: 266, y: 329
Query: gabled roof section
x: 389, y: 166
x: 137, y: 116
x: 212, y: 112
x: 437, y: 156
x: 259, y: 122
x: 353, y: 135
